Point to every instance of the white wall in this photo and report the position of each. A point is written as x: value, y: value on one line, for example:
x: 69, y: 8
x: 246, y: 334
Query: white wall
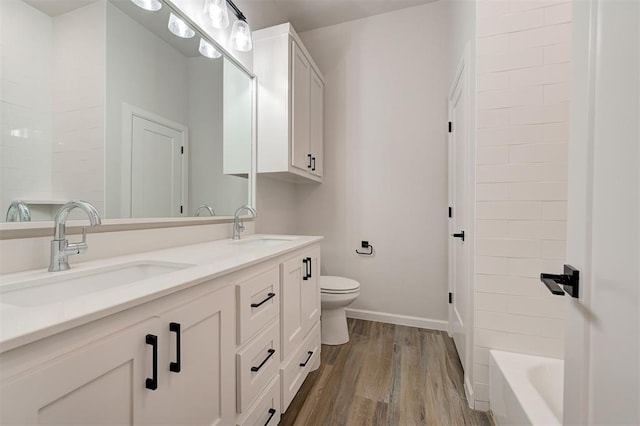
x: 521, y: 172
x: 385, y: 154
x: 26, y: 98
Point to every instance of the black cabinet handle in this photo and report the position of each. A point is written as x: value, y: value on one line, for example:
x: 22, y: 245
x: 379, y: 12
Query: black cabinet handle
x: 269, y: 297
x: 306, y: 269
x: 152, y: 383
x: 264, y: 361
x: 309, y: 274
x: 313, y: 159
x: 272, y: 411
x: 460, y: 235
x: 309, y: 157
x: 174, y: 327
x: 304, y: 364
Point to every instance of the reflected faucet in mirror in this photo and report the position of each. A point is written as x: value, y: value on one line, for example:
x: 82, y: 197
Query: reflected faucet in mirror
x: 205, y: 207
x: 238, y: 225
x: 61, y: 248
x: 18, y: 211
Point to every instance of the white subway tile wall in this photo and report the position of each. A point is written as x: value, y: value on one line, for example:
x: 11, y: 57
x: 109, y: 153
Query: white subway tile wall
x: 521, y: 174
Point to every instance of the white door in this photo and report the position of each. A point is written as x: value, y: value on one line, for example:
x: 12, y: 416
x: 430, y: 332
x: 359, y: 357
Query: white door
x: 300, y: 109
x: 156, y: 169
x: 316, y: 124
x: 602, y: 354
x: 459, y: 297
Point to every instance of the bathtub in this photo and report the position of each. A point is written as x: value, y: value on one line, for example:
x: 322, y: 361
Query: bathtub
x: 525, y: 389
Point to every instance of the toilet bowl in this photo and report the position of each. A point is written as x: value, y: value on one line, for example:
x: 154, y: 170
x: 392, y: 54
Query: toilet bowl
x: 336, y: 293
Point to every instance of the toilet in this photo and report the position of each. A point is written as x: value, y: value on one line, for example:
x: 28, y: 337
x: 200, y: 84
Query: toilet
x: 336, y: 293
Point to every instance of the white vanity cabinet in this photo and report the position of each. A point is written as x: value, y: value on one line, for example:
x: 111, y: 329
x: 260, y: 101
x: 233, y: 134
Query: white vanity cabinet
x: 290, y: 106
x: 111, y: 379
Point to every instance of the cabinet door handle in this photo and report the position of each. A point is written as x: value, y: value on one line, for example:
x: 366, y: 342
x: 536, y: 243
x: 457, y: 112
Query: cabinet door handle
x: 264, y: 361
x: 152, y: 383
x: 309, y: 157
x: 310, y: 269
x: 269, y: 297
x: 306, y: 269
x: 304, y: 364
x: 174, y: 327
x: 313, y: 160
x: 272, y: 411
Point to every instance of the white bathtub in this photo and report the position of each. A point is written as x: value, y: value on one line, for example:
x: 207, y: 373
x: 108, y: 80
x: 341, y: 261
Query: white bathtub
x: 525, y: 389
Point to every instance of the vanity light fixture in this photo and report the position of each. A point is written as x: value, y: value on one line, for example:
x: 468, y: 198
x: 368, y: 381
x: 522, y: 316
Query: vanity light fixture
x: 216, y: 12
x: 151, y: 5
x: 180, y: 28
x: 207, y: 50
x: 240, y: 32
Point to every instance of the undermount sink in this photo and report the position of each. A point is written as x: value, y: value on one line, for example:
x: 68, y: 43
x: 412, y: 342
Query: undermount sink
x: 263, y: 241
x: 58, y: 287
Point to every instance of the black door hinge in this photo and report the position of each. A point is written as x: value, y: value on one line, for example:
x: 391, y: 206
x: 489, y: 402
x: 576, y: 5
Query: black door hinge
x: 180, y: 209
x: 450, y: 211
x: 450, y: 297
x: 450, y: 127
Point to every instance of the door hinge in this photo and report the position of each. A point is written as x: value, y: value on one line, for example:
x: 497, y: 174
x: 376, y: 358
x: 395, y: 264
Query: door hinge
x: 450, y: 211
x: 180, y: 209
x: 450, y: 297
x: 450, y: 127
x: 182, y: 150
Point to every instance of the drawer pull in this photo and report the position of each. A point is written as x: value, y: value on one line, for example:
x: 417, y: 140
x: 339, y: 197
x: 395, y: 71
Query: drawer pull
x: 304, y: 364
x: 272, y: 411
x: 264, y: 361
x: 152, y: 383
x: 306, y: 269
x: 269, y: 297
x: 310, y: 269
x: 174, y: 327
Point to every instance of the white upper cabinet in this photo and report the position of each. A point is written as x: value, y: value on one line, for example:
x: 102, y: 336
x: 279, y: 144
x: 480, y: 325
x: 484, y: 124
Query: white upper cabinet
x: 290, y: 106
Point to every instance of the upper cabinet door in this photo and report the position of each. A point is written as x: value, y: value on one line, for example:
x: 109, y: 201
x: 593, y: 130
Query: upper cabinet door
x: 300, y: 87
x: 316, y: 124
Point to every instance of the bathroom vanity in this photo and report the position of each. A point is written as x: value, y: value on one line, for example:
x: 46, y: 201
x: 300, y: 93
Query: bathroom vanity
x: 223, y: 332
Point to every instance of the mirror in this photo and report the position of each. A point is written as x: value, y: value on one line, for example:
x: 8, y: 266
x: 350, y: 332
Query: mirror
x: 103, y: 103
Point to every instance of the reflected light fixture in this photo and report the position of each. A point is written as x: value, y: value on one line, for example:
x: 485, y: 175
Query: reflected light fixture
x: 207, y: 50
x: 180, y: 28
x: 151, y: 5
x: 240, y: 32
x: 216, y: 12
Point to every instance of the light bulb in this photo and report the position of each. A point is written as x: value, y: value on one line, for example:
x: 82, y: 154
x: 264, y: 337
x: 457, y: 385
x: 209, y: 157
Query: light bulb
x: 216, y: 11
x: 206, y: 49
x: 180, y: 28
x: 241, y: 36
x: 151, y: 5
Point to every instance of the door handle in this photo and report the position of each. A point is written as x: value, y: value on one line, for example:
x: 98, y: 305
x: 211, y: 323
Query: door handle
x: 313, y: 168
x: 559, y: 284
x: 459, y: 235
x: 152, y: 383
x: 309, y: 269
x: 309, y: 157
x: 174, y: 327
x: 306, y: 269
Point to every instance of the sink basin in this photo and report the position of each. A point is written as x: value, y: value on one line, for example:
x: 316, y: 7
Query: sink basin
x: 263, y: 242
x: 58, y: 287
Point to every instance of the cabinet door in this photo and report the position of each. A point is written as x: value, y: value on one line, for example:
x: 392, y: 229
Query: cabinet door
x: 102, y: 383
x: 310, y: 292
x: 316, y: 124
x: 202, y: 392
x: 292, y: 323
x: 300, y: 88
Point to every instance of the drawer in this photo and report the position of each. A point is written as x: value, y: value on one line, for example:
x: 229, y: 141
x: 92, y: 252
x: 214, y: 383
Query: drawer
x: 296, y: 368
x: 256, y: 365
x: 258, y: 302
x: 266, y: 411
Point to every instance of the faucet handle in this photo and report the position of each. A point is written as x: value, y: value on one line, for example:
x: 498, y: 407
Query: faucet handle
x: 79, y: 247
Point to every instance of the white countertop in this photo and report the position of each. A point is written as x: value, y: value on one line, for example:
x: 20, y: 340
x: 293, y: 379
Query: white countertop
x: 20, y: 325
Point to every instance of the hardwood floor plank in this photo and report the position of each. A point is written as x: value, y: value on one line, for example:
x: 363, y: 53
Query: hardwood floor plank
x: 386, y: 375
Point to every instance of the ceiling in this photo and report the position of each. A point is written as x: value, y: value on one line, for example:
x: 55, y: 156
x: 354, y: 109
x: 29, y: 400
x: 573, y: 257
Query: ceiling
x: 310, y: 14
x: 303, y: 14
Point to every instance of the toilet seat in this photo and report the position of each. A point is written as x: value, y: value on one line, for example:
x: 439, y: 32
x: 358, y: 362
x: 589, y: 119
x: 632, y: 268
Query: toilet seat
x: 338, y: 285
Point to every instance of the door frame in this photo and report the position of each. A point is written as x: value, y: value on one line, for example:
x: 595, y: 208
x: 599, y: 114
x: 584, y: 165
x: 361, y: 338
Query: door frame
x: 463, y: 74
x: 128, y: 113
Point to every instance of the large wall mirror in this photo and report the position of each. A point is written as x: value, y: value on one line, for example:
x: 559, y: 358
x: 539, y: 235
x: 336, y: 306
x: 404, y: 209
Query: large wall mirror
x: 102, y: 102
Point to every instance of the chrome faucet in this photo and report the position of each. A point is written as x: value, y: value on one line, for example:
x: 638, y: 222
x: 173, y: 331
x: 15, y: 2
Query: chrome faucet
x: 238, y: 225
x: 61, y: 248
x: 206, y: 207
x: 18, y: 211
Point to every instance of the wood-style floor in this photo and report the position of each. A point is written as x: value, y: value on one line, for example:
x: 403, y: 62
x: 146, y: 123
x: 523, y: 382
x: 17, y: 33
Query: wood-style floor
x: 386, y: 375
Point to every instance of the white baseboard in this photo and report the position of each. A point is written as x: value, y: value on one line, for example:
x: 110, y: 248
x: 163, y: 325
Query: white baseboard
x: 427, y: 323
x: 468, y: 391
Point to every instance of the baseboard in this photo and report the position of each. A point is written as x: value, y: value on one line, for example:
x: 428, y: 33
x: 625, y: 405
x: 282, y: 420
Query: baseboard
x: 427, y: 323
x: 468, y: 391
